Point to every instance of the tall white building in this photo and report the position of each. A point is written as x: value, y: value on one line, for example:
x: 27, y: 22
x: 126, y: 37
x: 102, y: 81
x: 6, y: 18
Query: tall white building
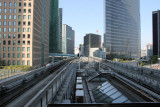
x: 68, y: 39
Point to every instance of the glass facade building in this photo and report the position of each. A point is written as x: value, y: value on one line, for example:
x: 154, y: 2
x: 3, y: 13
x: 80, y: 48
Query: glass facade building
x: 122, y: 36
x: 156, y: 32
x: 54, y: 27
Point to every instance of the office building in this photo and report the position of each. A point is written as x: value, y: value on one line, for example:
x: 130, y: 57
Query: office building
x: 156, y: 32
x: 68, y: 39
x: 81, y: 50
x: 24, y: 32
x: 60, y: 28
x: 147, y: 51
x: 92, y: 43
x: 54, y: 27
x: 122, y: 36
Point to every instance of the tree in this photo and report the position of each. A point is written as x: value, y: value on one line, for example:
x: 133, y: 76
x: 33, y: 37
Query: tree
x: 154, y: 59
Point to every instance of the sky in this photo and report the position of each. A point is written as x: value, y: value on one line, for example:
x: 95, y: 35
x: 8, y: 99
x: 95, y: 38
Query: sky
x: 87, y: 16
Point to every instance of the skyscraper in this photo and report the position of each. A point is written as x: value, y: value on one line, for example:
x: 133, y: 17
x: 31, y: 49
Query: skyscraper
x: 92, y: 42
x: 156, y: 32
x: 122, y: 36
x: 60, y: 28
x: 24, y: 33
x: 68, y: 39
x: 54, y: 27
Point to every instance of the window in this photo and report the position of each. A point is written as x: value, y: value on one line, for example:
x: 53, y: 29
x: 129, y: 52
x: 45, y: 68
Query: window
x: 18, y: 55
x: 14, y: 29
x: 29, y: 16
x: 0, y: 35
x: 0, y: 17
x: 4, y: 48
x: 0, y: 42
x: 9, y: 36
x: 19, y: 36
x: 29, y: 4
x: 19, y: 11
x: 23, y: 63
x: 14, y: 11
x: 18, y: 62
x: 0, y: 23
x: 24, y: 10
x: 0, y: 30
x: 9, y: 62
x: 9, y: 23
x: 29, y: 10
x: 14, y: 49
x: 14, y: 42
x: 24, y: 16
x: 23, y: 49
x: 18, y: 49
x: 9, y: 29
x: 28, y: 63
x: 19, y: 42
x: 9, y: 49
x: 19, y: 29
x: 13, y: 55
x: 9, y: 42
x: 28, y: 42
x: 23, y: 55
x: 29, y: 23
x: 13, y: 62
x: 29, y: 29
x: 5, y: 16
x: 24, y: 23
x: 23, y: 35
x: 28, y: 49
x: 15, y: 4
x: 24, y: 29
x: 10, y: 4
x: 14, y: 35
x: 4, y: 55
x: 0, y: 4
x: 4, y: 29
x: 5, y: 10
x: 20, y: 4
x: 9, y: 55
x: 23, y: 42
x: 19, y: 23
x: 19, y: 16
x: 14, y: 23
x: 4, y: 23
x: 28, y: 55
x: 0, y: 10
x: 4, y: 36
x: 5, y: 3
x: 24, y: 4
x: 10, y: 10
x: 14, y: 17
x: 4, y: 42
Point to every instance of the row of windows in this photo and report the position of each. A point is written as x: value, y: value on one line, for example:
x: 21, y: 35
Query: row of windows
x: 14, y: 17
x: 14, y: 36
x: 14, y: 55
x: 14, y: 63
x: 14, y: 43
x: 15, y: 10
x: 14, y: 49
x: 19, y: 23
x: 15, y: 4
x: 14, y: 30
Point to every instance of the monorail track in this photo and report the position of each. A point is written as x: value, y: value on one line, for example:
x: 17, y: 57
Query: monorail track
x: 39, y: 81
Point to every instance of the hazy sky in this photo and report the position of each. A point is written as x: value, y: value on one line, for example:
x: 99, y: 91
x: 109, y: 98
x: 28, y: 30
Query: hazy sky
x: 86, y: 16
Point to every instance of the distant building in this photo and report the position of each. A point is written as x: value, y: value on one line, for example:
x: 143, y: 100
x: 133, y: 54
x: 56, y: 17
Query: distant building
x: 54, y: 27
x: 92, y: 43
x: 81, y: 50
x: 156, y: 32
x: 122, y: 36
x: 76, y: 50
x: 147, y: 51
x: 24, y: 32
x: 60, y: 28
x: 68, y: 39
